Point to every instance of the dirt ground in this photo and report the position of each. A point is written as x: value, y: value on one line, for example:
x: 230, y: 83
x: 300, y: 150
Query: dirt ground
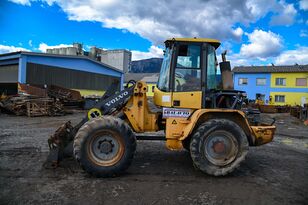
x: 276, y: 173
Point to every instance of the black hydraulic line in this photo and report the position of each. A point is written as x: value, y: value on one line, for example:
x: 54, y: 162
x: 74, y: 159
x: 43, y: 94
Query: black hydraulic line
x: 150, y: 137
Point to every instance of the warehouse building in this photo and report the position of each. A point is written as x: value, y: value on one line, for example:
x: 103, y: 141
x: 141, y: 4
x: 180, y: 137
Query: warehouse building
x: 277, y: 85
x: 70, y: 71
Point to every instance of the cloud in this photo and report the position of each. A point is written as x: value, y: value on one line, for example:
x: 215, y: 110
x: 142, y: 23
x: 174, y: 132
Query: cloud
x: 285, y: 16
x: 161, y: 19
x: 303, y: 4
x: 22, y: 2
x: 240, y: 60
x: 261, y: 7
x: 290, y: 57
x: 238, y: 33
x: 154, y: 52
x: 30, y: 43
x: 9, y: 49
x: 237, y: 60
x: 262, y: 44
x: 43, y: 46
x: 303, y: 33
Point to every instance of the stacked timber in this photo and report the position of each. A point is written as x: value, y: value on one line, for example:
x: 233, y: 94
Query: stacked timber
x: 36, y: 100
x: 32, y: 106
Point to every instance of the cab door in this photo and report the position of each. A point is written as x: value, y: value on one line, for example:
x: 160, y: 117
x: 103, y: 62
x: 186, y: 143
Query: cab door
x: 187, y: 81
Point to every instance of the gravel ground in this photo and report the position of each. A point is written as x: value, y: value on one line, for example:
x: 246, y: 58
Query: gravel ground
x: 276, y: 173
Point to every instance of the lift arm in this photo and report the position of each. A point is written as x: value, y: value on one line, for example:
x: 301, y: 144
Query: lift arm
x: 61, y: 142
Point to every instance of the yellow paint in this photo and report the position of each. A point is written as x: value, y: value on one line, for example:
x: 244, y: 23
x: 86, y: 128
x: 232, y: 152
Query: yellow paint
x: 90, y: 92
x: 188, y: 99
x: 290, y: 79
x: 175, y: 127
x: 291, y: 98
x: 177, y: 132
x: 93, y: 113
x: 142, y: 119
x: 263, y: 134
x: 151, y: 87
x: 162, y: 98
x: 137, y: 110
x: 174, y: 144
x: 203, y: 112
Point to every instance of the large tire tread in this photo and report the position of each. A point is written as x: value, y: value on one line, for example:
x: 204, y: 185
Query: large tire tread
x: 204, y: 129
x: 89, y: 128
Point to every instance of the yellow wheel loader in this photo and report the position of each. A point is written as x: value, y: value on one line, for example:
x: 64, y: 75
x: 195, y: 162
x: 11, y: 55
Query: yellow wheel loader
x: 188, y: 106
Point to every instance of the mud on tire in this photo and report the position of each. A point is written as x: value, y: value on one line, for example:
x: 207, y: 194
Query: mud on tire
x: 218, y: 146
x: 105, y: 146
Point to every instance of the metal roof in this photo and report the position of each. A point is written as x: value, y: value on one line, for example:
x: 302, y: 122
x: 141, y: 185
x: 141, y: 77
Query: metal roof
x: 213, y: 42
x: 146, y: 77
x: 60, y: 56
x: 271, y: 69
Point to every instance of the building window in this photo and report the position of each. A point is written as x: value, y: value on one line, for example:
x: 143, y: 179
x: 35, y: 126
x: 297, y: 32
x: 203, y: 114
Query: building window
x: 261, y: 81
x: 153, y: 87
x: 301, y: 81
x: 242, y: 81
x: 281, y: 81
x: 279, y: 98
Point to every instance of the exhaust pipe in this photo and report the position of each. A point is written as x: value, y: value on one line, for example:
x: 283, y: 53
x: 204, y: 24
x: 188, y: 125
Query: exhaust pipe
x: 226, y: 74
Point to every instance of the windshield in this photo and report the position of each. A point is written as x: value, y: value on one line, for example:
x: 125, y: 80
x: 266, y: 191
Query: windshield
x: 163, y: 81
x: 211, y: 68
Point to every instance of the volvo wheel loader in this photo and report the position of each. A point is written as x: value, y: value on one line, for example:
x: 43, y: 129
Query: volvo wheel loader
x: 192, y: 110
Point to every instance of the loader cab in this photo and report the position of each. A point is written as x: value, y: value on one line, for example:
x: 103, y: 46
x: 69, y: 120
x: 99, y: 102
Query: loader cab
x: 188, y: 71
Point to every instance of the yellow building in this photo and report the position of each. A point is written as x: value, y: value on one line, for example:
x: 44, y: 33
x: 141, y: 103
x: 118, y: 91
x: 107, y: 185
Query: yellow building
x: 289, y: 88
x: 274, y: 85
x: 149, y: 78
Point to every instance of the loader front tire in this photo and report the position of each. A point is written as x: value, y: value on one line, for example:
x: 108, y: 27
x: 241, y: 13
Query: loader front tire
x: 105, y: 146
x: 218, y: 146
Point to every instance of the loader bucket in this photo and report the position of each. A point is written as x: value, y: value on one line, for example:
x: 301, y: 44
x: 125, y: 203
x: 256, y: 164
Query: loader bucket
x: 60, y: 145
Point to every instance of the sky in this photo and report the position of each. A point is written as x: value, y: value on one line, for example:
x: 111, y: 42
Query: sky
x: 254, y: 32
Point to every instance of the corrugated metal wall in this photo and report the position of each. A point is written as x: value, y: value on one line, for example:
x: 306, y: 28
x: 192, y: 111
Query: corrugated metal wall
x: 43, y: 74
x: 9, y: 73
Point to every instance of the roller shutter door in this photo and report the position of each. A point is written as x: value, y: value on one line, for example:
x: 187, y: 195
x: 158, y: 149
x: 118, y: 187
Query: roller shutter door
x: 9, y: 73
x: 42, y: 74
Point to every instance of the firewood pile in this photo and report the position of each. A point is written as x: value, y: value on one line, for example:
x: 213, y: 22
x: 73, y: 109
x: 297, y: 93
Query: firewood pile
x: 35, y: 100
x: 63, y: 94
x: 32, y: 106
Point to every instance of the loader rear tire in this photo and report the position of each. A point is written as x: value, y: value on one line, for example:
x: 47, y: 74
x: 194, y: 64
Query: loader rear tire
x: 186, y: 144
x: 218, y: 146
x: 105, y: 146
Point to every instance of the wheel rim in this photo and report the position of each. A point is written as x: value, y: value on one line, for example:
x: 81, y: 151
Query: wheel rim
x: 220, y: 148
x: 106, y: 148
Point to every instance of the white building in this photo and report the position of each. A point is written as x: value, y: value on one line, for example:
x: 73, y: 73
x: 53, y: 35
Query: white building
x: 120, y: 59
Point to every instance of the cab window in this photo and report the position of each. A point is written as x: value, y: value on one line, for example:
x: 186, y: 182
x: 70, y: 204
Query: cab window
x: 187, y: 70
x: 211, y: 68
x: 163, y: 81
